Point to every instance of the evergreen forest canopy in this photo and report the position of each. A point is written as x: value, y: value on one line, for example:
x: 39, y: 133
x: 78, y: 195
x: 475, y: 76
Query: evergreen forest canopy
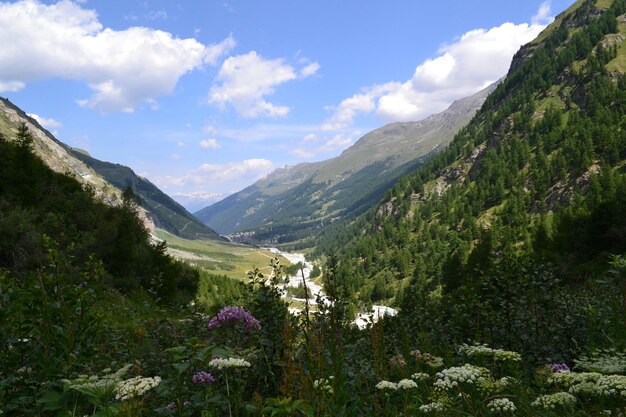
x: 505, y: 254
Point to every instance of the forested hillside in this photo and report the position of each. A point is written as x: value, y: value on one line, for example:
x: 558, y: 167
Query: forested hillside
x: 107, y: 180
x: 527, y: 203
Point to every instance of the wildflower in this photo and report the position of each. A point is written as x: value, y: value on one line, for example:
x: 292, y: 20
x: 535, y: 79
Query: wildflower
x: 230, y: 316
x: 171, y: 406
x: 432, y: 407
x: 385, y: 385
x: 220, y: 363
x: 323, y: 384
x: 478, y: 350
x: 202, y: 378
x: 466, y: 374
x: 420, y: 376
x: 559, y: 367
x: 406, y: 384
x: 135, y: 387
x: 501, y: 405
x: 552, y: 401
x: 100, y: 386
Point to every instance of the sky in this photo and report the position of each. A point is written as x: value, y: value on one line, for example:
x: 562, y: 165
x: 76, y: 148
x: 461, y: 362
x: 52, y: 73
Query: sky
x: 204, y: 98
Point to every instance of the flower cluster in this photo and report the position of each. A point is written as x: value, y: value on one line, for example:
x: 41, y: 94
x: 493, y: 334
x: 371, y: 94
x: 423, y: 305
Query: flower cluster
x: 432, y: 408
x: 323, y: 384
x: 559, y: 367
x: 427, y: 358
x: 553, y: 401
x: 202, y: 378
x: 466, y: 374
x: 612, y: 385
x: 501, y: 406
x: 386, y: 385
x: 230, y: 316
x: 592, y: 383
x: 478, y: 350
x: 135, y: 387
x: 406, y: 384
x: 221, y: 363
x: 99, y: 386
x: 420, y: 376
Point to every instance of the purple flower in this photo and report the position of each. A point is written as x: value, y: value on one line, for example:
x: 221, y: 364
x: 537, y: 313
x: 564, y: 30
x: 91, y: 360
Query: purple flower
x: 171, y: 406
x: 559, y: 367
x: 230, y: 316
x: 202, y: 378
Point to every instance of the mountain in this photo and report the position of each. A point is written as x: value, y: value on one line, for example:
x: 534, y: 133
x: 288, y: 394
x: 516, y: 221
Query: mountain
x: 107, y: 180
x: 527, y: 202
x: 293, y: 202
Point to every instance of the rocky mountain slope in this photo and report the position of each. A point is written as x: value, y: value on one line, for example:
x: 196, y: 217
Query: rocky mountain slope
x: 295, y: 202
x: 107, y: 180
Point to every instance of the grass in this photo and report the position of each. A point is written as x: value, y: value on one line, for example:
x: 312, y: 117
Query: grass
x: 217, y: 257
x: 619, y: 62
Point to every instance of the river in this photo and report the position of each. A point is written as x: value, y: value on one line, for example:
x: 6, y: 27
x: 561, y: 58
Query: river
x: 315, y: 290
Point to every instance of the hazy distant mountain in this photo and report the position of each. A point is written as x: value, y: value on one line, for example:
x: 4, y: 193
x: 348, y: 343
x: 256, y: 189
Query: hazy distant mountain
x: 104, y: 178
x: 290, y: 202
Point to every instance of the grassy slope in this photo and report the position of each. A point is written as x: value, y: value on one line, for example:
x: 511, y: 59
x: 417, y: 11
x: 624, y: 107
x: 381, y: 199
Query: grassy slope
x: 219, y: 257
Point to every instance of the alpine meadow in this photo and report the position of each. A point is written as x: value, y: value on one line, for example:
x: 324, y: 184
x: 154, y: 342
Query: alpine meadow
x: 438, y: 249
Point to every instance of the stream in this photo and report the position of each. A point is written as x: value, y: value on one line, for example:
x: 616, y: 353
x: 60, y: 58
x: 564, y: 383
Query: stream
x: 362, y: 319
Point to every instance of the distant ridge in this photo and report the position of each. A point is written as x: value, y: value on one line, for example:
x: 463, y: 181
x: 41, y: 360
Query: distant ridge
x: 106, y: 179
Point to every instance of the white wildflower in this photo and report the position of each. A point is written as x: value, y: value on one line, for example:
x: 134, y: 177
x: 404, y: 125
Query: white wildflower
x: 420, y: 376
x: 467, y: 374
x: 135, y: 387
x: 384, y: 385
x: 478, y: 350
x: 501, y: 405
x: 221, y: 363
x: 432, y: 408
x: 323, y: 384
x: 552, y: 401
x: 406, y: 384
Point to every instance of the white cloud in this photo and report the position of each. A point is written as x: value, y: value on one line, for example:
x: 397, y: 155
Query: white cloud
x: 245, y: 80
x: 175, y: 157
x: 124, y: 68
x: 472, y: 62
x: 313, y: 145
x: 209, y: 144
x: 543, y: 17
x: 181, y: 144
x: 309, y: 70
x: 47, y: 123
x: 218, y: 176
x: 347, y: 110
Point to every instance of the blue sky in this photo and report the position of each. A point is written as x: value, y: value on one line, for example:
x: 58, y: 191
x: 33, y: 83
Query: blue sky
x: 205, y: 97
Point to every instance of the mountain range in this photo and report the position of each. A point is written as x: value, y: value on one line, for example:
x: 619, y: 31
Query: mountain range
x: 106, y: 180
x: 295, y: 202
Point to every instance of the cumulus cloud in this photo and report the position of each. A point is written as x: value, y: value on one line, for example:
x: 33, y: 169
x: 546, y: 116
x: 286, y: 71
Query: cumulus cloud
x: 124, y: 68
x: 209, y: 144
x: 461, y: 68
x: 543, y: 14
x: 219, y: 175
x: 313, y: 145
x: 47, y: 123
x: 245, y: 80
